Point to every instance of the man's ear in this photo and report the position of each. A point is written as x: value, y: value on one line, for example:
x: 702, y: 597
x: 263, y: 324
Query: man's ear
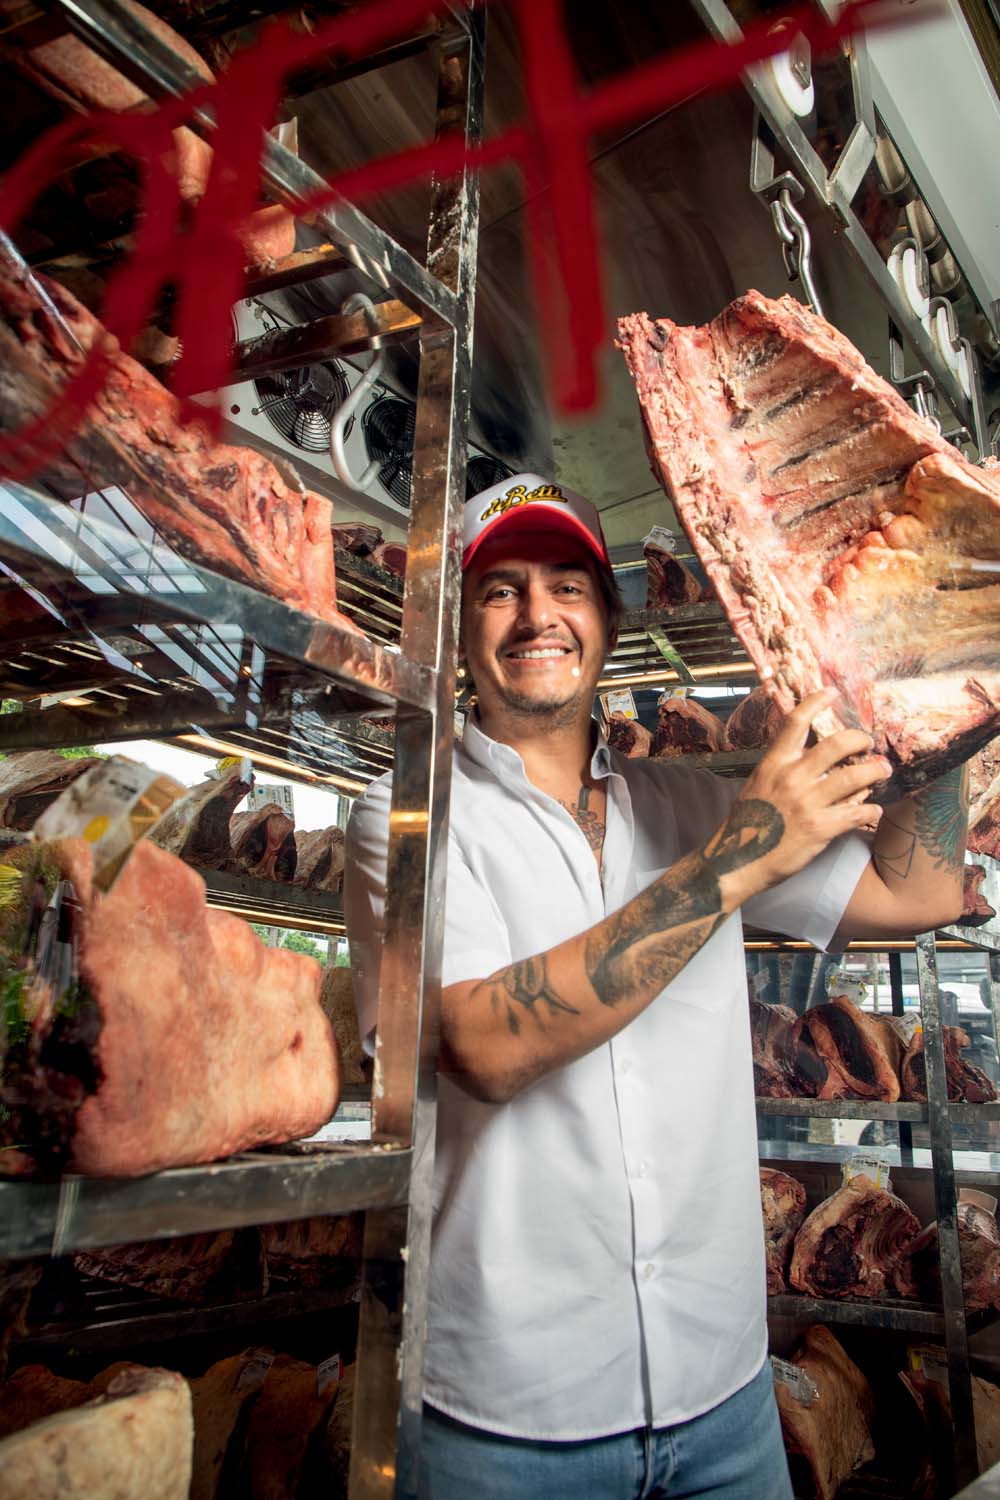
x: 612, y: 638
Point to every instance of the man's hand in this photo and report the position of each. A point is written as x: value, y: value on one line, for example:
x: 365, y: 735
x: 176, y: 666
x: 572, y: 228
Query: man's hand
x: 796, y: 802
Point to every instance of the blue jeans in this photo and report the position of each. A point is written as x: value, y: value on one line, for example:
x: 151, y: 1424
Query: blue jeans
x: 733, y: 1452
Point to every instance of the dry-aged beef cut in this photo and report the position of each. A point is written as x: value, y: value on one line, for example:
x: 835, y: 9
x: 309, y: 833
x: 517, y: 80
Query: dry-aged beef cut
x: 975, y: 908
x: 783, y: 1205
x: 225, y: 507
x: 827, y: 1439
x: 861, y: 1053
x: 629, y: 737
x: 263, y: 842
x: 856, y: 1244
x: 684, y: 727
x: 293, y: 1404
x: 228, y: 1265
x: 772, y: 1030
x: 358, y: 537
x: 18, y: 1280
x: 222, y: 1400
x: 979, y: 1247
x: 184, y: 1037
x: 984, y: 822
x: 319, y: 858
x: 933, y: 1399
x: 314, y: 1252
x: 835, y: 525
x: 984, y: 769
x: 34, y: 1392
x: 392, y: 557
x: 965, y: 1081
x: 337, y: 1000
x: 669, y: 581
x: 31, y: 779
x: 755, y: 721
x: 135, y: 1441
x: 196, y: 828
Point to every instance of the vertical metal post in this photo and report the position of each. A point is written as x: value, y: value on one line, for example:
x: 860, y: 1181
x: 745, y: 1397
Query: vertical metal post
x: 899, y: 1009
x: 993, y: 991
x: 945, y: 1202
x: 392, y: 1335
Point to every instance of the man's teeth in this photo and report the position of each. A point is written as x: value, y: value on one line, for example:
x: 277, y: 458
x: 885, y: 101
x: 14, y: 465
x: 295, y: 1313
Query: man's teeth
x: 538, y: 655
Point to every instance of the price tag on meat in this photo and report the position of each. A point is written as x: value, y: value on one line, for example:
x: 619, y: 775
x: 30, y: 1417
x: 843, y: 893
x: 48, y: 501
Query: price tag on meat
x: 620, y: 701
x: 801, y: 1385
x: 111, y: 807
x: 866, y: 1164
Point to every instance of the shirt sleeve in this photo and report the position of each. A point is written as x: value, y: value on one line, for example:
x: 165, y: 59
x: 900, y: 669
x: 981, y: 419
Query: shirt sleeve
x: 809, y: 906
x: 476, y: 942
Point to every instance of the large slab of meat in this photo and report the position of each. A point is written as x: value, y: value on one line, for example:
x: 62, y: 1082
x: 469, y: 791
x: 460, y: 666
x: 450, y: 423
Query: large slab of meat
x: 856, y: 1244
x: 965, y: 1081
x: 196, y: 828
x: 861, y: 1054
x: 835, y: 525
x: 979, y: 1247
x: 933, y: 1400
x: 755, y: 721
x: 685, y: 727
x: 984, y: 821
x: 225, y: 507
x: 975, y: 908
x: 669, y: 581
x: 783, y: 1206
x: 184, y: 1038
x: 31, y: 779
x: 629, y: 737
x: 319, y: 858
x: 293, y: 1405
x: 773, y: 1036
x: 826, y: 1439
x: 263, y: 842
x: 314, y: 1252
x: 227, y: 1265
x: 135, y: 1441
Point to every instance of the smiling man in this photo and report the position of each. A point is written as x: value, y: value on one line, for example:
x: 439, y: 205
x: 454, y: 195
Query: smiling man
x: 597, y: 1304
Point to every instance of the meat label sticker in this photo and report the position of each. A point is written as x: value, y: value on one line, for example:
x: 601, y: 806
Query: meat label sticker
x: 328, y: 1374
x: 111, y: 806
x: 660, y: 538
x: 620, y: 701
x: 801, y: 1385
x: 254, y: 1372
x: 864, y: 1164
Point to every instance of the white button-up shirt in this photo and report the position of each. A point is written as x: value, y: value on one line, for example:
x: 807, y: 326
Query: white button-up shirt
x: 598, y: 1257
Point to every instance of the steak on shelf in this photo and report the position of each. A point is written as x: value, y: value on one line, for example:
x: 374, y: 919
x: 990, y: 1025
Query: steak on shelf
x: 685, y: 727
x: 196, y: 828
x: 856, y: 1244
x: 629, y: 737
x: 31, y: 779
x: 319, y: 858
x: 669, y: 581
x: 755, y: 721
x: 975, y: 908
x: 861, y: 1053
x: 965, y: 1080
x: 225, y: 507
x: 227, y: 1265
x: 979, y: 1248
x: 184, y: 1038
x: 834, y: 525
x: 826, y: 1439
x: 263, y: 843
x: 783, y: 1205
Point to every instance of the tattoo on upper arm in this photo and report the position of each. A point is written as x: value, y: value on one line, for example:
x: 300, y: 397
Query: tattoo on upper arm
x: 941, y: 815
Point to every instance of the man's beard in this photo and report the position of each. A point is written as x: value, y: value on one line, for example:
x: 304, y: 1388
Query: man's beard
x: 559, y: 711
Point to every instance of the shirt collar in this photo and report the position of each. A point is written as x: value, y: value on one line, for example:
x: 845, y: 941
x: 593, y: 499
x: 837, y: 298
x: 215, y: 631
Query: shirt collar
x: 491, y: 753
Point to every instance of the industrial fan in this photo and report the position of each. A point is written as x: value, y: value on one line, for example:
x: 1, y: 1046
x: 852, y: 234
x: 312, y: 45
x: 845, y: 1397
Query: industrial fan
x: 482, y: 472
x: 387, y: 426
x: 300, y: 404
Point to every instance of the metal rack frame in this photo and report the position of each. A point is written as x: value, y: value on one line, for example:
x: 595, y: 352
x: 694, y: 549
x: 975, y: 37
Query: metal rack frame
x: 251, y: 662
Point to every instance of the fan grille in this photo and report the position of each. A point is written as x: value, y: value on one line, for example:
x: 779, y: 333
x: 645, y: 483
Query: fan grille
x: 482, y: 472
x: 388, y: 432
x: 300, y: 404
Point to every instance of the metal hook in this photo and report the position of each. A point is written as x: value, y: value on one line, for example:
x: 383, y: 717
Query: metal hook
x: 798, y: 232
x: 358, y: 302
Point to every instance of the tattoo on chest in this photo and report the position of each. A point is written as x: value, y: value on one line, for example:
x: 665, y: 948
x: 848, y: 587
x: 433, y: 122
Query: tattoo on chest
x: 590, y: 823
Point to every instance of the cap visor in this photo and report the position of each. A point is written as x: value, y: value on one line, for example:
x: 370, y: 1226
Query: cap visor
x: 536, y: 521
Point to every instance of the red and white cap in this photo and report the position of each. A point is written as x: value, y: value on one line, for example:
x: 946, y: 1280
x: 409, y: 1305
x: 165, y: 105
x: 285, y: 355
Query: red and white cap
x: 532, y: 504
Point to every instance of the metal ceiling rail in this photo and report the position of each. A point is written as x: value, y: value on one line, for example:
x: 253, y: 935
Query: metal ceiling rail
x: 125, y: 41
x: 323, y: 338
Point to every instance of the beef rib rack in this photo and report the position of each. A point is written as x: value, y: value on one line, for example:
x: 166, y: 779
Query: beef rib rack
x: 838, y: 529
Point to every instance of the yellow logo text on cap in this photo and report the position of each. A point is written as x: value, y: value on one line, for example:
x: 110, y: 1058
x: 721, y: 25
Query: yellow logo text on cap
x: 519, y: 495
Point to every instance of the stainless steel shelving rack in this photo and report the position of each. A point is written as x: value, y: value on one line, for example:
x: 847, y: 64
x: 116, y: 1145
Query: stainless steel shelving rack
x: 159, y: 647
x: 947, y: 1322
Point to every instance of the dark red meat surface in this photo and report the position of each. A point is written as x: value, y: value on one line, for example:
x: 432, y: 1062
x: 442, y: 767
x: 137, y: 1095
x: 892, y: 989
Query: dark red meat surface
x: 685, y: 727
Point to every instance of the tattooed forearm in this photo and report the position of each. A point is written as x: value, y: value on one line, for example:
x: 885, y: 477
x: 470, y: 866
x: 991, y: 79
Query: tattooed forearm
x: 525, y: 988
x: 628, y: 952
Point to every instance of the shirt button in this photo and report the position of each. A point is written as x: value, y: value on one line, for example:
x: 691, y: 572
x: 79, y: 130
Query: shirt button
x: 641, y: 1169
x: 624, y: 1066
x: 648, y: 1271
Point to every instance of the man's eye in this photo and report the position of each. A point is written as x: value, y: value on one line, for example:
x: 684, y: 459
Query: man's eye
x: 500, y: 594
x: 570, y: 588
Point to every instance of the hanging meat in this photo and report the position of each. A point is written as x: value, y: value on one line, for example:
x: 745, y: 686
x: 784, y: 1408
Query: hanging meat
x: 979, y: 1247
x: 838, y: 529
x: 685, y: 727
x: 196, y: 828
x: 783, y: 1205
x: 755, y: 721
x: 856, y: 1244
x: 862, y: 1054
x: 629, y: 737
x: 192, y: 1268
x: 773, y: 1033
x: 669, y: 581
x: 391, y: 557
x: 31, y: 779
x: 176, y: 1035
x: 975, y: 908
x: 134, y: 1441
x: 984, y: 822
x: 319, y: 858
x: 965, y: 1081
x: 263, y: 843
x: 225, y: 507
x: 827, y: 1427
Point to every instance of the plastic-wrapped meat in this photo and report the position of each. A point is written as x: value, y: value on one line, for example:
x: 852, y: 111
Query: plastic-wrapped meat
x: 835, y: 526
x: 856, y: 1244
x: 975, y: 908
x: 979, y: 1247
x: 196, y: 828
x: 152, y: 1056
x: 965, y: 1081
x: 263, y: 842
x: 225, y: 507
x: 754, y: 722
x: 629, y: 737
x: 783, y: 1205
x: 827, y: 1427
x: 861, y: 1053
x: 685, y: 727
x: 31, y: 779
x: 319, y: 860
x: 135, y: 1441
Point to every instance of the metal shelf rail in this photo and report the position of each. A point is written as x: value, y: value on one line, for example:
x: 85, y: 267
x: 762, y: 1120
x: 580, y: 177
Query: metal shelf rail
x: 116, y: 607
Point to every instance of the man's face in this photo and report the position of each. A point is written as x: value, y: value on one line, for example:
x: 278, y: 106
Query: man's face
x: 534, y: 626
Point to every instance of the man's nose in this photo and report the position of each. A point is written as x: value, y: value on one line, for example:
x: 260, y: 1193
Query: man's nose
x: 536, y: 608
